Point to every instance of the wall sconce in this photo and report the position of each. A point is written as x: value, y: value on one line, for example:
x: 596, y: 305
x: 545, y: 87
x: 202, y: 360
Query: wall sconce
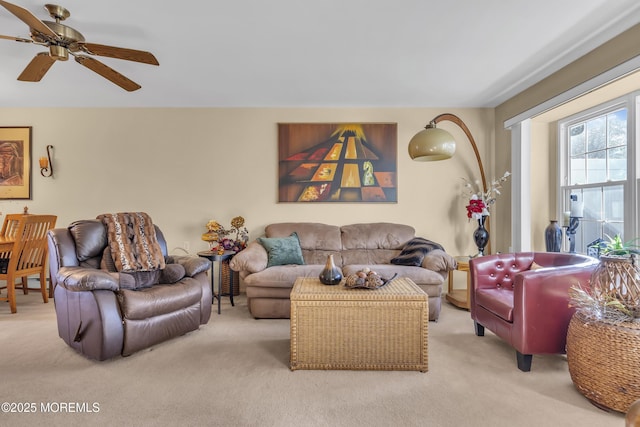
x: 46, y: 166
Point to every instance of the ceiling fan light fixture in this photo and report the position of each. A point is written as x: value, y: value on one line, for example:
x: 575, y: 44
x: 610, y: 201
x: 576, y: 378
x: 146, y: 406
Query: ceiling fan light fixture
x: 58, y: 53
x: 62, y: 41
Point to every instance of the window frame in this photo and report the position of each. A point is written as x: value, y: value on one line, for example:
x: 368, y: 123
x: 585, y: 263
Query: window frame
x: 631, y: 102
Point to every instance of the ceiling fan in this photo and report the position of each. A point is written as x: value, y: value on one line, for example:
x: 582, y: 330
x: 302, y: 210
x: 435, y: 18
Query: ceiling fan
x: 63, y: 41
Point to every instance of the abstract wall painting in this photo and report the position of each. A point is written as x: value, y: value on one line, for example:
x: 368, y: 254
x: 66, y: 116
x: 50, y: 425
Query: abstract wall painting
x: 337, y: 162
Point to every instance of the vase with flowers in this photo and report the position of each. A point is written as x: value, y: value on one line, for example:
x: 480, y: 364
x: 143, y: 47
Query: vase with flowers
x: 216, y: 235
x: 212, y: 236
x: 239, y: 235
x: 478, y: 205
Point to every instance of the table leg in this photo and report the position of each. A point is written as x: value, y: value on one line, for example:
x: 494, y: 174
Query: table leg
x: 219, y: 285
x: 213, y: 285
x: 231, y: 287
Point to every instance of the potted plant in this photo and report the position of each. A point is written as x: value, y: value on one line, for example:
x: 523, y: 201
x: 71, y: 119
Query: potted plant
x: 603, y: 339
x: 614, y: 291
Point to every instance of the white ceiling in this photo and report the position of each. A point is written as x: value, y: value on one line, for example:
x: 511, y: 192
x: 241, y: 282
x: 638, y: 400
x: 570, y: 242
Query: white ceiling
x: 325, y: 53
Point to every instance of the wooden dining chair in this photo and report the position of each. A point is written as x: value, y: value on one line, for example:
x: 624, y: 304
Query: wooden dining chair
x: 10, y: 225
x: 26, y: 249
x: 8, y: 231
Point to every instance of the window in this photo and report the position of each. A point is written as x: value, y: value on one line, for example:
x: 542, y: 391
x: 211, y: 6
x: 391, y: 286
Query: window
x: 596, y: 169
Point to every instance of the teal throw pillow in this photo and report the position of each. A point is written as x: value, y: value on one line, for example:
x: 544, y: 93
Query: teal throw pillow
x: 283, y: 250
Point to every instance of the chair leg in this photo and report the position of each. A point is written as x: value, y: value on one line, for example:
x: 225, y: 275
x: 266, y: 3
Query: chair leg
x: 524, y: 361
x: 11, y: 293
x: 479, y: 329
x: 25, y: 285
x: 43, y: 287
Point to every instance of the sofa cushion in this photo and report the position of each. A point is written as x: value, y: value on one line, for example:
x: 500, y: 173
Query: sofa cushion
x: 160, y: 299
x: 381, y: 235
x: 368, y: 256
x: 172, y: 273
x: 414, y: 251
x: 319, y: 257
x: 282, y: 276
x: 90, y: 237
x: 313, y: 236
x: 139, y: 279
x: 283, y: 250
x: 497, y: 301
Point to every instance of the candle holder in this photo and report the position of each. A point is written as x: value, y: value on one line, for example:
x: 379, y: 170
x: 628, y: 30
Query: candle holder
x: 46, y: 166
x: 574, y: 223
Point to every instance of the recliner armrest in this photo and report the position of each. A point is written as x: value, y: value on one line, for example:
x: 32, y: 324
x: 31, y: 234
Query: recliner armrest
x: 192, y: 264
x: 87, y: 279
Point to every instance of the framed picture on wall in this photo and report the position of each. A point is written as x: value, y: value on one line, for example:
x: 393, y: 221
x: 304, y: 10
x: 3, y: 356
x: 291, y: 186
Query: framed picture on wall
x: 15, y: 162
x: 337, y: 162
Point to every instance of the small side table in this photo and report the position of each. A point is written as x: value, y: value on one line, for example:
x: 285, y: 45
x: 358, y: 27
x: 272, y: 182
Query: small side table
x: 460, y: 297
x: 215, y: 257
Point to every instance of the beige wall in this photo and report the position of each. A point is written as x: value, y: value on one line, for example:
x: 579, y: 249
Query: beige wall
x: 543, y: 178
x: 186, y: 166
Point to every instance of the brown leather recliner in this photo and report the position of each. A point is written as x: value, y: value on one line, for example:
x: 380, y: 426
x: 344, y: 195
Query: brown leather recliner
x: 101, y: 319
x: 524, y: 299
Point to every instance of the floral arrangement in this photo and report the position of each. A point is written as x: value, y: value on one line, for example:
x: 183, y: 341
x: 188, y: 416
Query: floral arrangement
x: 479, y: 201
x: 216, y: 235
x: 239, y: 241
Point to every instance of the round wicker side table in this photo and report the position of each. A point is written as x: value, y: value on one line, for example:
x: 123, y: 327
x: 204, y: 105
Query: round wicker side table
x: 604, y: 361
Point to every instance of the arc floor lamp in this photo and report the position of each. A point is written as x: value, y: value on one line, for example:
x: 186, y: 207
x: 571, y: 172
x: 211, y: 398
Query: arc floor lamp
x: 432, y: 144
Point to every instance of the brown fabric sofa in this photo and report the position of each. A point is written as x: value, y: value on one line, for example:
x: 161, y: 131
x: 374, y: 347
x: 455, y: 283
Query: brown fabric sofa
x: 354, y: 247
x: 102, y: 314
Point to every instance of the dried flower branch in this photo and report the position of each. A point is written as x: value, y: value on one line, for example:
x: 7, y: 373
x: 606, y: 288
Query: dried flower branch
x: 479, y: 200
x: 217, y: 232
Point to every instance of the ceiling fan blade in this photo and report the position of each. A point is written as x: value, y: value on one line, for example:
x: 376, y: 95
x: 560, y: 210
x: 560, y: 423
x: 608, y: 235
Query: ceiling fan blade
x: 108, y: 73
x: 120, y: 53
x: 18, y: 39
x: 29, y: 18
x: 37, y: 68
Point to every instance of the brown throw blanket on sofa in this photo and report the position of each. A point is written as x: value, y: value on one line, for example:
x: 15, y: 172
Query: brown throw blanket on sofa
x: 132, y: 239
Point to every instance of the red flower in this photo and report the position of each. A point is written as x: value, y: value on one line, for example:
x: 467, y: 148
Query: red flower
x: 475, y: 206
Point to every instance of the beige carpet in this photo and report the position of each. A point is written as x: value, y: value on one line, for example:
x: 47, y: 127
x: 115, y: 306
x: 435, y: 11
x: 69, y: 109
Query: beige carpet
x: 234, y: 372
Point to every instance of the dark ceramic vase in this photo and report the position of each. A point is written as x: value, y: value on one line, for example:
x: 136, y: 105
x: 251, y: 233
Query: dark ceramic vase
x: 553, y: 236
x: 481, y: 236
x: 331, y: 274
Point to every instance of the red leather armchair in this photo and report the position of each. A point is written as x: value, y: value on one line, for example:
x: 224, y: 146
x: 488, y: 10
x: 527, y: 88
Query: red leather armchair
x: 524, y: 299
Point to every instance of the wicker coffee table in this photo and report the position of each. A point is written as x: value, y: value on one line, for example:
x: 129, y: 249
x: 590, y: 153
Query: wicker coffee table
x: 334, y: 327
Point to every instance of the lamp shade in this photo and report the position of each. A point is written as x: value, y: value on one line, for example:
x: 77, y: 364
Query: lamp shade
x: 432, y: 144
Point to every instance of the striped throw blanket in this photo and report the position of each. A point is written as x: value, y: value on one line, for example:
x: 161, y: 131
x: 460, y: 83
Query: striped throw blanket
x: 133, y: 243
x: 414, y: 251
